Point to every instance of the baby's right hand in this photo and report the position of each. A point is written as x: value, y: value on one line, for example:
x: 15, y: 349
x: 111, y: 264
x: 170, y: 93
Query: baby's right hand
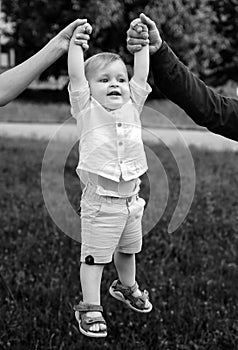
x: 82, y: 35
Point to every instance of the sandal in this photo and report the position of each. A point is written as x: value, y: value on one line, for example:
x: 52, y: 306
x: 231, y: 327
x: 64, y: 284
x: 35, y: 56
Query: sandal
x: 85, y: 322
x: 124, y: 294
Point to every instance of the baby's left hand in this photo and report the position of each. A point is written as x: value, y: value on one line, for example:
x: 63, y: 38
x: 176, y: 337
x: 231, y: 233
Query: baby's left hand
x: 82, y: 35
x: 138, y: 26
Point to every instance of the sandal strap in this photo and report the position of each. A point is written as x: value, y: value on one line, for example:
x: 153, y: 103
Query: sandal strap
x: 140, y: 300
x: 134, y: 287
x: 87, y: 322
x: 91, y: 320
x: 84, y: 307
x: 127, y: 290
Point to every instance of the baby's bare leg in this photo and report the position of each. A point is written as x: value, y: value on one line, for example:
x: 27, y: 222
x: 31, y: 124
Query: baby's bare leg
x: 90, y: 277
x: 126, y: 268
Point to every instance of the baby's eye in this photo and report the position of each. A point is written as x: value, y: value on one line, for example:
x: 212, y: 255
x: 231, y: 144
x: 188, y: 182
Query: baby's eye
x: 103, y: 80
x: 121, y: 80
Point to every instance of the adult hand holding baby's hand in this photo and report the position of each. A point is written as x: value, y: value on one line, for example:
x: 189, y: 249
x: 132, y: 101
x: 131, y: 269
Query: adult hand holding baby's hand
x: 82, y: 35
x: 136, y: 38
x: 139, y: 27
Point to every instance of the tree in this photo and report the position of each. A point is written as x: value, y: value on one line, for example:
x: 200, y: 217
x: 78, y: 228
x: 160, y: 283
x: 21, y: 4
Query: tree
x: 188, y: 27
x: 37, y: 21
x: 225, y: 23
x: 202, y: 33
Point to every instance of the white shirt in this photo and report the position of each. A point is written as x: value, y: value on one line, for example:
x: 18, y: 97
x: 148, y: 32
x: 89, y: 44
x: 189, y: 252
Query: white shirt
x: 110, y: 142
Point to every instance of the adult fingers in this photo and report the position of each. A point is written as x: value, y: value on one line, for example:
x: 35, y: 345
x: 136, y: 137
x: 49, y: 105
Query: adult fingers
x: 84, y: 28
x: 83, y: 43
x: 85, y: 46
x: 134, y: 48
x: 82, y: 36
x: 146, y: 20
x: 77, y: 22
x: 80, y: 41
x: 137, y: 41
x: 88, y: 28
x: 132, y: 33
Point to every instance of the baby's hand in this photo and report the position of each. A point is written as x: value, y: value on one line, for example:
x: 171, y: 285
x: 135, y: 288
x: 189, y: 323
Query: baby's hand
x: 138, y: 26
x: 82, y: 35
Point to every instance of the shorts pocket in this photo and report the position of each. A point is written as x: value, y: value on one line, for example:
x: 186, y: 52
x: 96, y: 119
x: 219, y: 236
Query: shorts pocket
x: 90, y: 209
x: 141, y: 202
x: 138, y: 207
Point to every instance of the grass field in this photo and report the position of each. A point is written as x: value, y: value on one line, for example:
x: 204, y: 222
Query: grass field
x: 192, y: 274
x: 159, y: 113
x: 30, y: 112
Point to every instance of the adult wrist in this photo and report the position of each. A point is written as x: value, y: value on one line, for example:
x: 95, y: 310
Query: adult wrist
x: 58, y: 44
x: 160, y: 44
x: 160, y: 55
x: 157, y: 47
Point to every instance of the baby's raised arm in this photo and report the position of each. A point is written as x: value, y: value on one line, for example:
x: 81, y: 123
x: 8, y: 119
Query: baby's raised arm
x: 76, y: 56
x: 141, y: 58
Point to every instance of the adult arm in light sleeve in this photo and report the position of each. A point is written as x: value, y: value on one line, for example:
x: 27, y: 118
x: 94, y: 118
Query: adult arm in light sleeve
x: 15, y: 80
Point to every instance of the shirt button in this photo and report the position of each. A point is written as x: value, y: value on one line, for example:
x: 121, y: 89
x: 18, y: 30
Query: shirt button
x: 120, y: 143
x: 118, y: 124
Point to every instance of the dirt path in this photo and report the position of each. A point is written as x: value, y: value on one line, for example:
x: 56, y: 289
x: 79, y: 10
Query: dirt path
x: 203, y: 139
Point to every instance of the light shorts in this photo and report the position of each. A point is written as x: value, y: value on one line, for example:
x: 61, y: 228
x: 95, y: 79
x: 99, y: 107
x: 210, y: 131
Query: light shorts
x: 109, y: 224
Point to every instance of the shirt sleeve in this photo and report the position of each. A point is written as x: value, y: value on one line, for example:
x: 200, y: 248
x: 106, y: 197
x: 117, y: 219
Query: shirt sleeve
x: 79, y: 99
x: 203, y: 105
x: 139, y: 94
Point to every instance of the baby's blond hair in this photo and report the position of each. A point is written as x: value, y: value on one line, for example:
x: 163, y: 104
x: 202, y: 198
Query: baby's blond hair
x: 100, y: 60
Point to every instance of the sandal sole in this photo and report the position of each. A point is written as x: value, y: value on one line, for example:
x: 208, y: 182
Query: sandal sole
x: 100, y: 334
x: 119, y: 296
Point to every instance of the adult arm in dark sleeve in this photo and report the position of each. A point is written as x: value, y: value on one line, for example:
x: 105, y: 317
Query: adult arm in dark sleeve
x: 207, y: 108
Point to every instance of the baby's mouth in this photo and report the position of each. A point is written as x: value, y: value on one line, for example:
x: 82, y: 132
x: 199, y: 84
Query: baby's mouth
x: 114, y: 93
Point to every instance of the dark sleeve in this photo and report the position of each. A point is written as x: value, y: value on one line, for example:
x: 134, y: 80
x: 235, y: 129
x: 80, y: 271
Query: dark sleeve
x: 207, y: 108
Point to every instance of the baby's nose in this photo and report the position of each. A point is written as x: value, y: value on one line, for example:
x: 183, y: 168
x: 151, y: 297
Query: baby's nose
x: 114, y: 82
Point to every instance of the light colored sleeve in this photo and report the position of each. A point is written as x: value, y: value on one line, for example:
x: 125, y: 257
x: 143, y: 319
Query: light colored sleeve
x: 15, y: 80
x: 79, y: 99
x: 139, y: 94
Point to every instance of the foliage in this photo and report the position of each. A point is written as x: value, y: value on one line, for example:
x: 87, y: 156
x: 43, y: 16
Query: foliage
x: 36, y: 21
x: 192, y: 274
x: 202, y: 33
x: 187, y: 26
x: 226, y: 24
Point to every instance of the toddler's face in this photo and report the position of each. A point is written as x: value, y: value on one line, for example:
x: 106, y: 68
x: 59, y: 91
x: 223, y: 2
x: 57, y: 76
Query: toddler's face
x: 109, y: 85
